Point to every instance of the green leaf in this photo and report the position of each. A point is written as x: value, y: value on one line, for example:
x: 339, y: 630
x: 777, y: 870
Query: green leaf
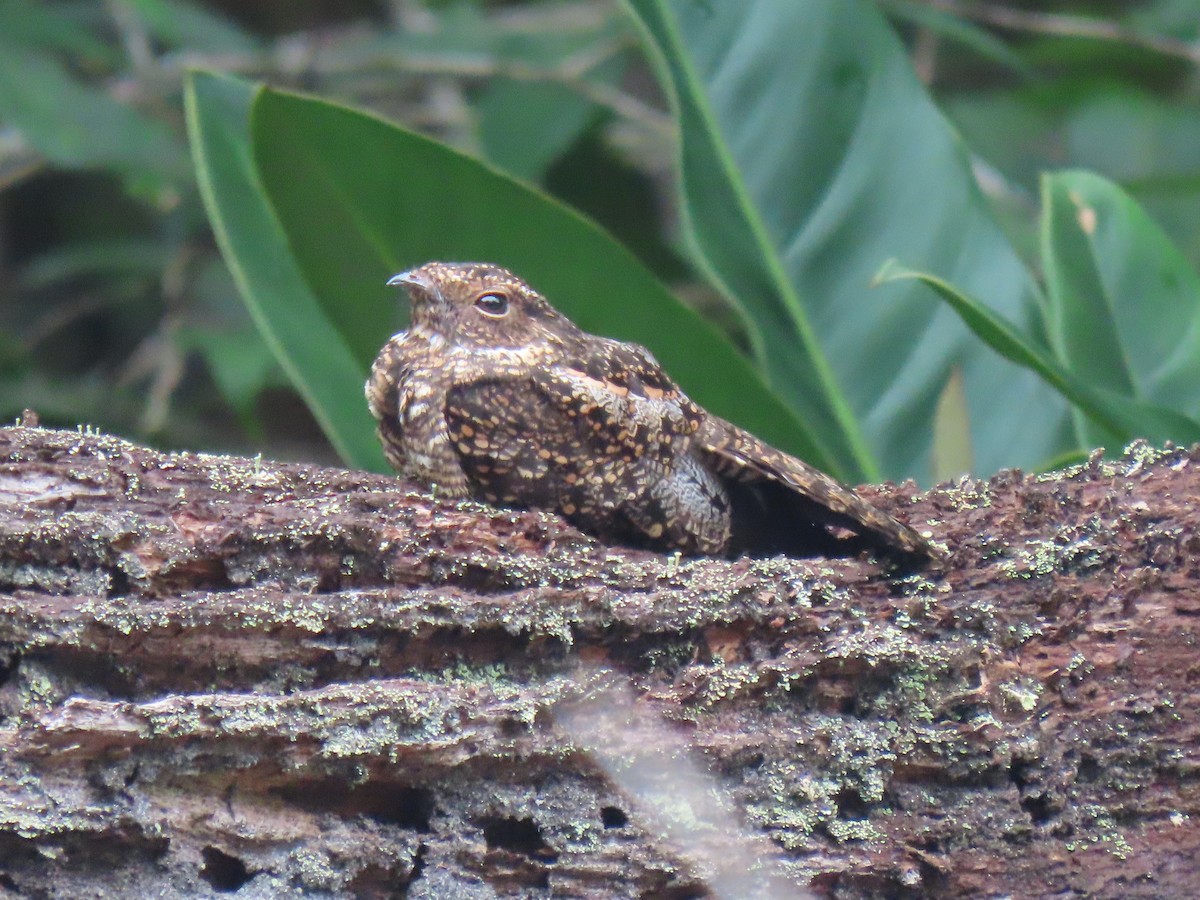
x: 1123, y: 417
x: 526, y: 125
x: 952, y: 431
x: 240, y: 363
x: 78, y: 126
x: 731, y: 234
x: 77, y: 259
x: 1125, y: 304
x: 183, y: 24
x: 959, y: 30
x: 1079, y: 315
x: 810, y: 155
x: 297, y: 328
x: 361, y: 199
x: 50, y: 27
x: 1148, y: 144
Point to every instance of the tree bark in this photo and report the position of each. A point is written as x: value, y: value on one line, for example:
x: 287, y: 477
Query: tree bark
x: 226, y: 675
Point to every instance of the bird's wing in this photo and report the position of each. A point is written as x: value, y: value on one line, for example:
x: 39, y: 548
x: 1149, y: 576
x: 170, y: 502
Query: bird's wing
x: 623, y: 400
x: 594, y: 427
x: 787, y: 488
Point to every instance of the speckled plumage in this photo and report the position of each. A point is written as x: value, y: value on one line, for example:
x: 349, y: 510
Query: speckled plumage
x: 492, y: 393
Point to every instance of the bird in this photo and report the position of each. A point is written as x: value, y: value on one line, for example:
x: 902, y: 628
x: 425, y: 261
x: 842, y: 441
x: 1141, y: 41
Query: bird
x: 493, y: 394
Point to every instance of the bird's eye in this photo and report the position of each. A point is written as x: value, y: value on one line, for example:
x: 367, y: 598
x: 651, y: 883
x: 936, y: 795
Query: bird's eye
x: 492, y: 304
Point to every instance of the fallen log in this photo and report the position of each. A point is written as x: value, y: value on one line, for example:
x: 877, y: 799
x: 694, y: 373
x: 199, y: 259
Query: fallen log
x: 227, y: 675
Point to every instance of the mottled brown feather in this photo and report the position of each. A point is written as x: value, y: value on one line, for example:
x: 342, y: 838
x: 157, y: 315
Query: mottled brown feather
x: 739, y: 456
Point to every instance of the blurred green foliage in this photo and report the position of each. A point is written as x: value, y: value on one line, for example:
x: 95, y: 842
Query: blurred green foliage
x: 762, y: 160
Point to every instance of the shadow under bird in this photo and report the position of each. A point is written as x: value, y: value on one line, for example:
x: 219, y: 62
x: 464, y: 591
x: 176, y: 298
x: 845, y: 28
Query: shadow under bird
x: 493, y: 394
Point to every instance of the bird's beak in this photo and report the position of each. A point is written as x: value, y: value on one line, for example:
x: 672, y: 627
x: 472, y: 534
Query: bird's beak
x: 426, y: 289
x: 410, y: 278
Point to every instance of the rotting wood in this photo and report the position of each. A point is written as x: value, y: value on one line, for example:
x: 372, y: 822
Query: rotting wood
x: 220, y: 675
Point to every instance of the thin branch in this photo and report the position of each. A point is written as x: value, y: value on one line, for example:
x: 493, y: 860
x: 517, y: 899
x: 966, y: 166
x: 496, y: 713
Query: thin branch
x: 320, y: 62
x: 133, y: 34
x: 1069, y: 26
x: 569, y: 75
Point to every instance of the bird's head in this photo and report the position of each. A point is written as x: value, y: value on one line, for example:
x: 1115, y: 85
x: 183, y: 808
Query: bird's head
x: 479, y: 305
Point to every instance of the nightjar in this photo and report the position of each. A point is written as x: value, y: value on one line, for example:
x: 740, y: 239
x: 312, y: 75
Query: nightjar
x: 493, y: 394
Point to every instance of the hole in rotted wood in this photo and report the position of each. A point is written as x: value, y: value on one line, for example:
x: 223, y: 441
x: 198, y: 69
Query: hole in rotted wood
x: 388, y: 882
x: 8, y: 665
x: 224, y: 872
x: 102, y: 672
x: 1034, y: 801
x: 518, y: 835
x: 378, y: 883
x: 1089, y: 769
x: 390, y: 804
x: 418, y: 865
x: 851, y: 805
x: 194, y: 575
x: 513, y: 727
x: 1018, y: 773
x: 118, y: 582
x: 19, y: 854
x: 7, y: 882
x: 408, y: 807
x: 613, y: 817
x: 1039, y: 808
x: 677, y: 892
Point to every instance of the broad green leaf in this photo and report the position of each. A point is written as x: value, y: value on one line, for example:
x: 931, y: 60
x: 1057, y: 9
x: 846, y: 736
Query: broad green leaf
x: 297, y: 328
x: 730, y: 231
x: 526, y: 125
x: 78, y: 126
x: 1149, y: 145
x: 1079, y: 315
x: 811, y: 155
x: 361, y: 199
x: 1128, y: 303
x: 988, y: 119
x: 1121, y: 416
x: 50, y: 27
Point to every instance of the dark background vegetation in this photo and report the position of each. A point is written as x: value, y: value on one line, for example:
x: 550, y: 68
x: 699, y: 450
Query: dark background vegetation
x: 117, y: 311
